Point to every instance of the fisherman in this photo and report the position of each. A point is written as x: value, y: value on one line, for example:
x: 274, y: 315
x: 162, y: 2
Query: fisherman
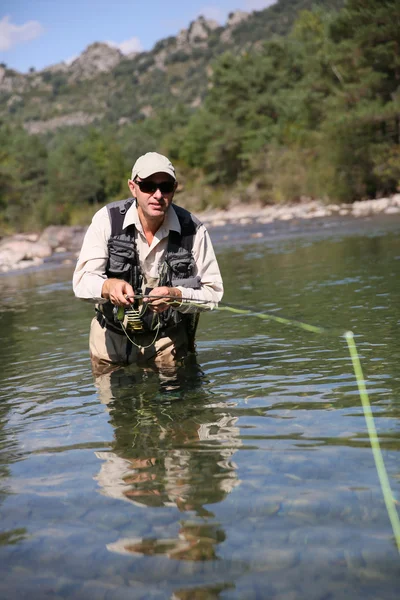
x: 150, y: 268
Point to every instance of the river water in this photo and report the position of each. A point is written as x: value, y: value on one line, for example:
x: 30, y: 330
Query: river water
x: 248, y: 474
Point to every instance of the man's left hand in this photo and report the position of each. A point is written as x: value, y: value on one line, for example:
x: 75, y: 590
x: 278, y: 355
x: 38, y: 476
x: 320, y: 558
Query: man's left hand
x: 168, y: 296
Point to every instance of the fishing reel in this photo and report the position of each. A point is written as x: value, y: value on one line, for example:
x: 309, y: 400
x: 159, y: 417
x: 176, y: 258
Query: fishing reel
x: 130, y: 317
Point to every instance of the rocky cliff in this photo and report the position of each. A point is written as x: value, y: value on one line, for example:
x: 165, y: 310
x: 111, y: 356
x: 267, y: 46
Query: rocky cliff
x: 104, y: 83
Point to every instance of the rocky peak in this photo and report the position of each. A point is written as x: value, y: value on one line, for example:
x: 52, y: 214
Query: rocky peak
x: 199, y: 30
x: 236, y: 17
x: 12, y: 81
x: 2, y: 73
x: 57, y: 68
x: 197, y: 34
x: 97, y: 58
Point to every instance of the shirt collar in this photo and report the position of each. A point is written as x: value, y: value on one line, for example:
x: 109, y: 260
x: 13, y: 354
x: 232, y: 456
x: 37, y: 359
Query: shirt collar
x: 171, y: 221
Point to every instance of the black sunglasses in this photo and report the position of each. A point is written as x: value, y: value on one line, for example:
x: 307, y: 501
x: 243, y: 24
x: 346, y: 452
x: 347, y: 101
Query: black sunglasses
x: 149, y: 187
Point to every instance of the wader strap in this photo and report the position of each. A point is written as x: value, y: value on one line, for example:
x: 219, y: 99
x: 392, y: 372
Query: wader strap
x: 129, y: 347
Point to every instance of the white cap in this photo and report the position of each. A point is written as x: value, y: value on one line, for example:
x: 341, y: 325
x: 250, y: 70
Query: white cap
x: 151, y: 163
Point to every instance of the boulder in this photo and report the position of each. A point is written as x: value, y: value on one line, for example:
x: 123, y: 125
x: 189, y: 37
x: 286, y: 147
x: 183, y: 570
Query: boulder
x: 17, y: 253
x: 57, y: 236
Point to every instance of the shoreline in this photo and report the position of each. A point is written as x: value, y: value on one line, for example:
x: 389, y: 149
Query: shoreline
x: 26, y: 250
x: 243, y: 214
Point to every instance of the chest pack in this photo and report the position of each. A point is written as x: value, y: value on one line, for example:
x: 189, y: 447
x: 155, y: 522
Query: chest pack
x: 177, y: 269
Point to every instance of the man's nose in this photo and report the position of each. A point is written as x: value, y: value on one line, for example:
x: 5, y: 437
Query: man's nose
x: 157, y: 194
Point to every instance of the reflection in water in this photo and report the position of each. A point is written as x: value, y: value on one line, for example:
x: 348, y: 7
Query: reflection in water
x: 194, y: 542
x: 308, y: 520
x: 211, y: 592
x: 168, y: 451
x: 8, y: 538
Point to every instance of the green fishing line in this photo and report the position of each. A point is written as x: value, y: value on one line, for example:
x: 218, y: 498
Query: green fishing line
x: 369, y: 419
x: 269, y: 317
x: 373, y: 438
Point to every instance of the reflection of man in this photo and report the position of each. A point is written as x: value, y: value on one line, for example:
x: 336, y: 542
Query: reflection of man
x: 179, y: 457
x: 146, y: 245
x: 165, y: 476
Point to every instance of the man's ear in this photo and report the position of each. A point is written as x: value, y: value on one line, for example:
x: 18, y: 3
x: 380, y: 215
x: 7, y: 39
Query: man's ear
x: 131, y: 185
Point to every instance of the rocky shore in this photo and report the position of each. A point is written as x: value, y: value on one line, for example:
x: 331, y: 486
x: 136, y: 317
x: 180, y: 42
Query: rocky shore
x: 25, y: 250
x: 22, y: 251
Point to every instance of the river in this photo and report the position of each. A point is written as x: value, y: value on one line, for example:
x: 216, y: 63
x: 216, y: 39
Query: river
x: 248, y: 474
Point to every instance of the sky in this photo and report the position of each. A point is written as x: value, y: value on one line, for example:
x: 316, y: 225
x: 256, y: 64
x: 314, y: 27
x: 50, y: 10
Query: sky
x: 40, y: 33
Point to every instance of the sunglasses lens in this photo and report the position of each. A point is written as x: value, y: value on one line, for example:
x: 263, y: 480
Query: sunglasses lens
x: 149, y: 187
x: 166, y: 187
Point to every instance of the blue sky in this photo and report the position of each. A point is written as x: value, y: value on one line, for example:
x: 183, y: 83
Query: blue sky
x: 39, y: 33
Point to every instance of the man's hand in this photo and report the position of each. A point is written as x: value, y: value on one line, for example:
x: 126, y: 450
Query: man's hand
x: 118, y: 291
x: 160, y: 304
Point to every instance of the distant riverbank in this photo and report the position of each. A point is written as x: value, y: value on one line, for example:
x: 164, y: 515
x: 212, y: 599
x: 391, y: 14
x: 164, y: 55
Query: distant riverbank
x: 24, y: 250
x: 243, y: 214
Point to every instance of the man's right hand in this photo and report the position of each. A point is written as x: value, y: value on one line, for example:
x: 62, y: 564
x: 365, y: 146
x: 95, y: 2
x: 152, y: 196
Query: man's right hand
x: 117, y: 291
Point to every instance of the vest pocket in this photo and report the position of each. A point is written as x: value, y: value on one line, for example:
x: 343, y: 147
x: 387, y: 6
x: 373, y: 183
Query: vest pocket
x: 181, y: 265
x: 121, y: 256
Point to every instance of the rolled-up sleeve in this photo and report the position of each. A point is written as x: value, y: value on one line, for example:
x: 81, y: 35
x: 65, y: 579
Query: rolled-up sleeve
x: 90, y: 270
x: 211, y: 290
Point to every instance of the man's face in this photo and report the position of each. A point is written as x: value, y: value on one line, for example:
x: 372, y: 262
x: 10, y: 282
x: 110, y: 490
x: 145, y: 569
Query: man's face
x: 152, y: 201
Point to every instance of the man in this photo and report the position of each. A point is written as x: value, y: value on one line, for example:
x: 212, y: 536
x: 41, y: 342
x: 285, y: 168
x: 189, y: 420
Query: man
x: 143, y: 261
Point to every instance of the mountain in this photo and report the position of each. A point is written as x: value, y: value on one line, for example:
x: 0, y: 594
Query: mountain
x: 102, y: 84
x: 276, y: 106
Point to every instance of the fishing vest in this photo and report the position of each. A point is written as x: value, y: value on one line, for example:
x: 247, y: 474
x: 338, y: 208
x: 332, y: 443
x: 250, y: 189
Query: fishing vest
x: 178, y: 267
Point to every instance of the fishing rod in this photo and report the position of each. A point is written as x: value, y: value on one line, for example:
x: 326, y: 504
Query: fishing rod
x: 348, y: 335
x: 234, y: 309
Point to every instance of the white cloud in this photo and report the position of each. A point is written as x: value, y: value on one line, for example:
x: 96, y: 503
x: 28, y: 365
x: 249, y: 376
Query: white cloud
x: 12, y: 35
x: 128, y: 46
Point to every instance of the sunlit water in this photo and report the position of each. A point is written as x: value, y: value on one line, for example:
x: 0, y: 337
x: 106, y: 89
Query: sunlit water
x: 249, y: 475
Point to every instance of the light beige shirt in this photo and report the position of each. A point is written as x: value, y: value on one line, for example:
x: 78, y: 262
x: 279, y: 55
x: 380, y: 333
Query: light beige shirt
x: 90, y: 271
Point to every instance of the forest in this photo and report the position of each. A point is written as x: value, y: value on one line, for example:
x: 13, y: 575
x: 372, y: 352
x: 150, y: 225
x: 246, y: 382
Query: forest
x: 311, y: 114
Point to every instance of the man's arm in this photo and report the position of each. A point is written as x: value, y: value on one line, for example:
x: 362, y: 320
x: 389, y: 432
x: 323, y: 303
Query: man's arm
x: 90, y: 280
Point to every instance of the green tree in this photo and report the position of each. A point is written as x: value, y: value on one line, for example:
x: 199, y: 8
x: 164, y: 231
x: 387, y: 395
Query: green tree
x: 83, y: 168
x: 363, y: 115
x: 22, y: 177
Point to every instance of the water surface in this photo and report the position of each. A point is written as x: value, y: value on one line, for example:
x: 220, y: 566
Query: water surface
x: 246, y: 475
